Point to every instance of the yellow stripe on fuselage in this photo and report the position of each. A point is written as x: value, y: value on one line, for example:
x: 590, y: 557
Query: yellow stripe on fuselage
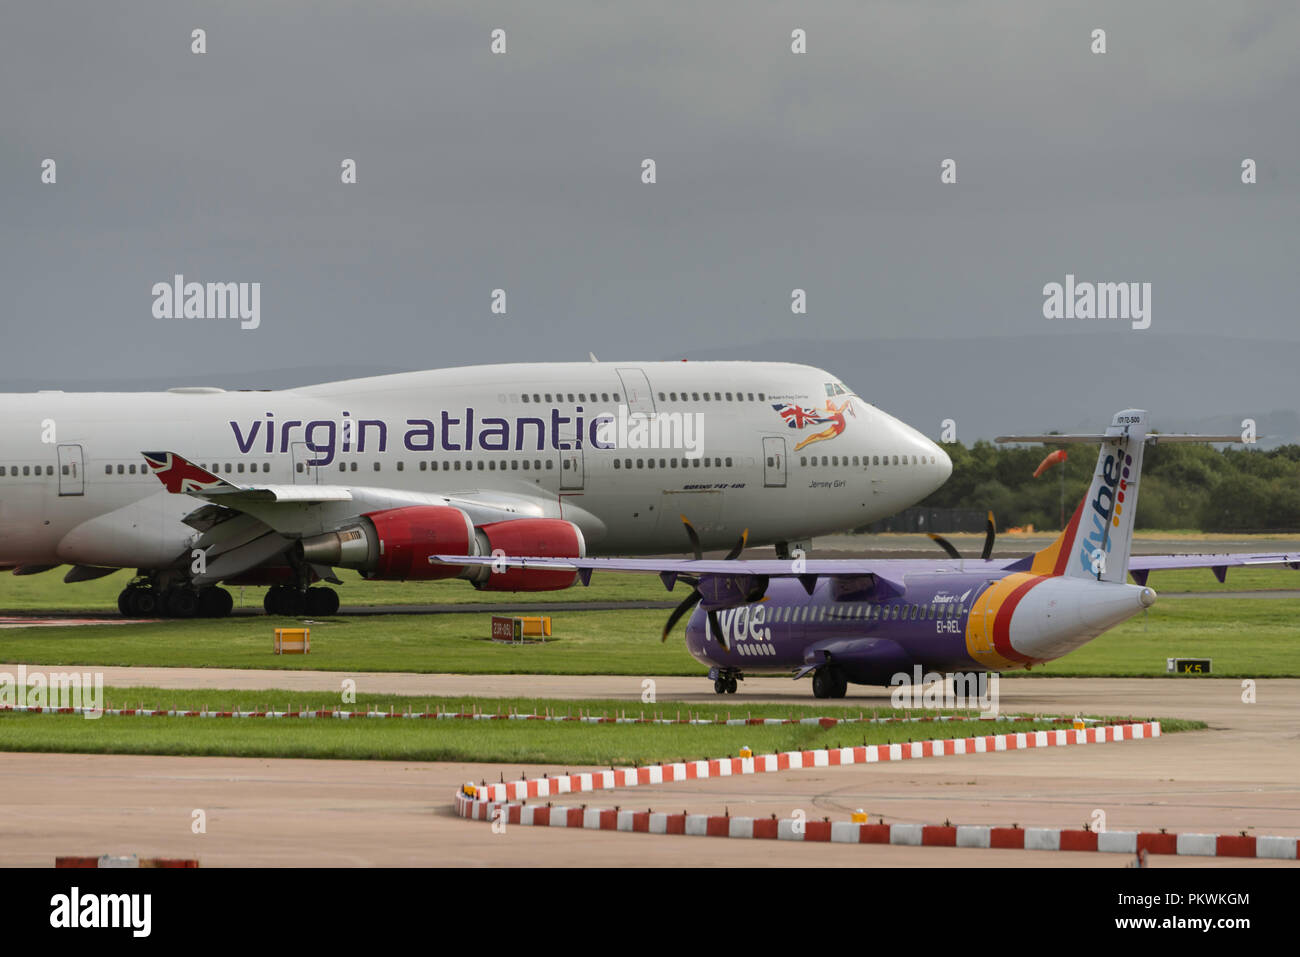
x: 983, y: 614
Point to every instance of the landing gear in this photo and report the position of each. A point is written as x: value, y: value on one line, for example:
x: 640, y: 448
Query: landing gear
x: 180, y: 603
x: 147, y: 599
x: 138, y: 601
x: 322, y: 602
x: 829, y: 682
x: 725, y: 682
x: 283, y: 600
x: 215, y: 603
x: 287, y: 601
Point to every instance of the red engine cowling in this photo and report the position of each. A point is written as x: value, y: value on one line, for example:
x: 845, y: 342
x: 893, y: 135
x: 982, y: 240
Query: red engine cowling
x: 531, y: 538
x: 406, y: 537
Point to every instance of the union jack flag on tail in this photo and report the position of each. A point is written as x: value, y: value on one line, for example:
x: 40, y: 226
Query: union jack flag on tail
x: 181, y: 475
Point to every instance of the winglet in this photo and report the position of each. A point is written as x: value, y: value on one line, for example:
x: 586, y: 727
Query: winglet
x: 178, y: 474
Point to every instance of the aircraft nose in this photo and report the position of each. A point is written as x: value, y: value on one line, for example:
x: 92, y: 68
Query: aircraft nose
x: 944, y: 464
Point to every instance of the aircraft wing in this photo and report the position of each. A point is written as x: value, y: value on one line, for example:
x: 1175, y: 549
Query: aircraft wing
x: 1141, y: 566
x: 891, y: 569
x: 250, y: 525
x: 888, y: 572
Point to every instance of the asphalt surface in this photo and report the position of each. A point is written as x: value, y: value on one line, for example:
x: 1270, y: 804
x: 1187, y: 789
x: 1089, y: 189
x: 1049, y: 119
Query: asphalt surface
x: 1241, y: 774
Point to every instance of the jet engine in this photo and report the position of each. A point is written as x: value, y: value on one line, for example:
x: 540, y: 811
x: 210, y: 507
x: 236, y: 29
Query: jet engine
x: 395, y: 544
x: 527, y: 538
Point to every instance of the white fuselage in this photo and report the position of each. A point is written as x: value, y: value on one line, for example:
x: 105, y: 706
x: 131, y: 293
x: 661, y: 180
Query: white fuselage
x: 74, y: 488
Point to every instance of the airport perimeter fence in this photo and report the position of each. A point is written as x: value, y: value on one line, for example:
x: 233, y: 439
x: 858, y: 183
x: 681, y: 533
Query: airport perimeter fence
x: 922, y: 520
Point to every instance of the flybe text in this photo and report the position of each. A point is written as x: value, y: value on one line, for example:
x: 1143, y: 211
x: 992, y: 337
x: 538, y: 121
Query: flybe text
x: 744, y: 623
x: 1103, y: 506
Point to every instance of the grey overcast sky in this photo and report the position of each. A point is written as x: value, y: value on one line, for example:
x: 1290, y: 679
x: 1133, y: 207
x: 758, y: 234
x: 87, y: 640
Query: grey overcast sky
x: 522, y: 171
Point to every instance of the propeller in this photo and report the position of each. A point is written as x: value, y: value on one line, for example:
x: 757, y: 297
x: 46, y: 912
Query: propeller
x: 695, y: 597
x: 990, y: 533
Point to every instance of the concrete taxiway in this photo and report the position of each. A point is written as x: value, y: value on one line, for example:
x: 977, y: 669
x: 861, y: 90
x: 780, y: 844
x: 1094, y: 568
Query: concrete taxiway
x: 1239, y: 775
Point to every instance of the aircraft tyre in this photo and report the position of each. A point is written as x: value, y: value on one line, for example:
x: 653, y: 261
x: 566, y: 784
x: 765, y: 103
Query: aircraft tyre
x: 142, y: 603
x: 841, y: 683
x: 719, y: 686
x: 731, y: 684
x: 124, y: 602
x: 215, y: 603
x: 822, y: 682
x: 281, y: 600
x: 322, y: 602
x: 180, y: 603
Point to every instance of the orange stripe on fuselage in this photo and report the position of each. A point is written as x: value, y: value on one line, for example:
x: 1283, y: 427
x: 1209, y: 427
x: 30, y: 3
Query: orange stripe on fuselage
x: 988, y: 625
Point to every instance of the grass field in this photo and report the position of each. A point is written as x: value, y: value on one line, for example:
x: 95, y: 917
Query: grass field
x: 46, y: 592
x: 1244, y: 637
x: 532, y: 742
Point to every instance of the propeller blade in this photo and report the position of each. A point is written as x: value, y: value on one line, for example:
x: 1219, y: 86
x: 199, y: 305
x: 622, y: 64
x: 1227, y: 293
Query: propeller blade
x: 945, y: 545
x: 694, y: 537
x: 990, y: 533
x: 738, y: 547
x: 716, y: 625
x: 693, y: 599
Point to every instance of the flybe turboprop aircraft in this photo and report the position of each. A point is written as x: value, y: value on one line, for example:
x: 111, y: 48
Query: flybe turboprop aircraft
x: 377, y: 474
x: 866, y: 621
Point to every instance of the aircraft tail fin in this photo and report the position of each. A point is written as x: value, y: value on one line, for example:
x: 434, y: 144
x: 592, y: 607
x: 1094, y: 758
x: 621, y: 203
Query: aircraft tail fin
x: 1097, y: 540
x: 179, y: 474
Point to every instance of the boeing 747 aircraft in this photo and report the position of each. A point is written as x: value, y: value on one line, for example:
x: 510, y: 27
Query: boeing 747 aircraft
x: 198, y: 486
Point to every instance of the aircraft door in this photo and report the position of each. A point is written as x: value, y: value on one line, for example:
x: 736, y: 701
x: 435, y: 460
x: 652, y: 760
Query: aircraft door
x: 636, y: 390
x: 72, y: 480
x: 572, y: 474
x: 304, y: 474
x: 774, y: 462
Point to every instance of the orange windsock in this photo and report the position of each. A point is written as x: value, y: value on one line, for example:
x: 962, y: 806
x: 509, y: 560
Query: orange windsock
x: 1047, y: 463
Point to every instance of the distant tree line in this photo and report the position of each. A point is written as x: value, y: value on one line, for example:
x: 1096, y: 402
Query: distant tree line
x: 1193, y: 487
